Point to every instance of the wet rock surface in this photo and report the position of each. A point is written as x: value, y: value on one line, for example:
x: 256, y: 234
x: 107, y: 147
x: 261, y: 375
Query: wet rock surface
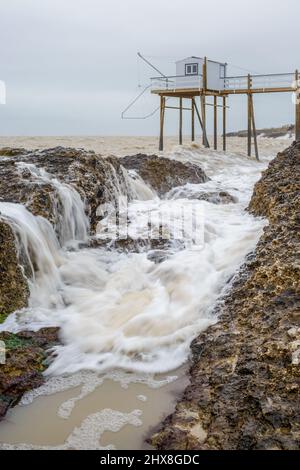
x: 214, y: 197
x: 92, y: 175
x: 221, y: 197
x: 26, y: 359
x: 163, y: 174
x: 13, y: 285
x: 245, y: 375
x: 156, y: 249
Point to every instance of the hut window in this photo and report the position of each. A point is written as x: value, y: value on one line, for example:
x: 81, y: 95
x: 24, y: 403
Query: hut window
x: 191, y: 69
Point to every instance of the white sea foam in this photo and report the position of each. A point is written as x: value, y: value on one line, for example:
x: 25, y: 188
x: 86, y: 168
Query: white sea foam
x: 89, y: 382
x: 87, y: 436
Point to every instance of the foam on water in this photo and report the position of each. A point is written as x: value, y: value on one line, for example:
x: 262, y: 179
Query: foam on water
x: 123, y: 310
x: 89, y: 382
x: 87, y: 436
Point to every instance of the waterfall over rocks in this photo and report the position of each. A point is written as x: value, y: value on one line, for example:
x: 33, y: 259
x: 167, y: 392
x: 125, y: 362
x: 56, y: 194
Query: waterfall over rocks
x: 136, y: 309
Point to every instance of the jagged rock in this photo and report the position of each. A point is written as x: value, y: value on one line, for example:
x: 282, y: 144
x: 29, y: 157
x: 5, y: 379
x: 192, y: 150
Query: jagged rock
x: 245, y: 376
x: 13, y: 286
x: 220, y: 197
x: 214, y: 197
x: 11, y: 152
x: 139, y: 245
x: 163, y: 174
x: 278, y: 192
x: 26, y: 359
x: 94, y: 177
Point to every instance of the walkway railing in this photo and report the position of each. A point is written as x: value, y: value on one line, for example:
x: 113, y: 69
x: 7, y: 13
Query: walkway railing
x: 231, y: 84
x: 270, y: 81
x: 176, y: 82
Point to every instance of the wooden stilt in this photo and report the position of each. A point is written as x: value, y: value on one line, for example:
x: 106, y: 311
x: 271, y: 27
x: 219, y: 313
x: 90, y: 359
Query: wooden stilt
x: 297, y: 118
x: 203, y: 103
x: 201, y: 123
x: 198, y: 115
x: 162, y: 118
x: 203, y: 112
x: 193, y: 119
x: 224, y: 123
x: 249, y: 118
x: 204, y: 72
x: 215, y: 123
x: 180, y: 121
x: 249, y: 127
x: 254, y: 127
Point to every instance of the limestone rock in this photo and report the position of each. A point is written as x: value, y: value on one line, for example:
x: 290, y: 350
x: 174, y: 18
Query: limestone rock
x: 163, y: 174
x: 26, y: 359
x: 13, y: 286
x: 96, y: 179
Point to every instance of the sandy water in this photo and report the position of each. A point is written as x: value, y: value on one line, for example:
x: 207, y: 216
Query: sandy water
x: 119, y: 408
x: 121, y: 146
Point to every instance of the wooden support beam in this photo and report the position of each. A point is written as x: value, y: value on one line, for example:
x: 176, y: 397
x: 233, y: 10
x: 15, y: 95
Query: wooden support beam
x: 193, y: 120
x: 211, y: 104
x: 297, y: 105
x: 249, y: 117
x: 180, y: 121
x: 224, y: 123
x: 198, y: 115
x: 254, y: 128
x: 200, y: 121
x: 204, y: 72
x: 177, y: 107
x: 203, y: 112
x: 215, y: 123
x: 162, y: 119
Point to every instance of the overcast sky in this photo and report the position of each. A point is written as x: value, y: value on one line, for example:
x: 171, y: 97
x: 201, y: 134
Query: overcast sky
x: 70, y: 66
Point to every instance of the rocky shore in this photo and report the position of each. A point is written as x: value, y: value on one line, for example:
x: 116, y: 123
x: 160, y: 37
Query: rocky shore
x: 272, y: 133
x: 245, y: 377
x: 98, y: 180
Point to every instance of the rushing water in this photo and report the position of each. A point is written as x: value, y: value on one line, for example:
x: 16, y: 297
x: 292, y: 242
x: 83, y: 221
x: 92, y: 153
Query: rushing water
x: 123, y: 311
